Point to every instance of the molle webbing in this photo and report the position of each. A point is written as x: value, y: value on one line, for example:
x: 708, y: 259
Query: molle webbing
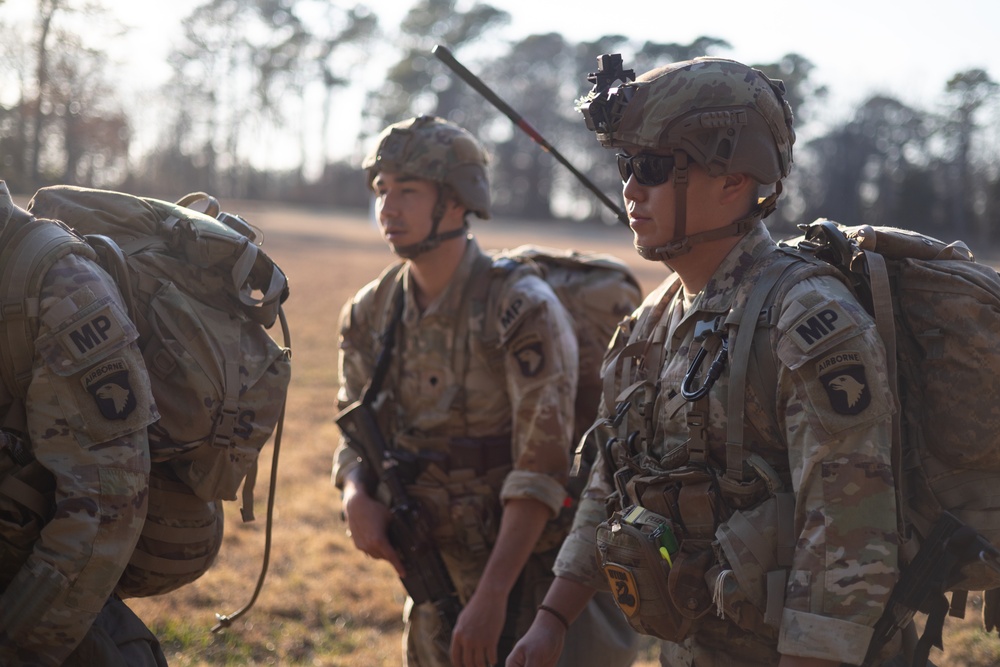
x: 29, y: 247
x: 179, y: 542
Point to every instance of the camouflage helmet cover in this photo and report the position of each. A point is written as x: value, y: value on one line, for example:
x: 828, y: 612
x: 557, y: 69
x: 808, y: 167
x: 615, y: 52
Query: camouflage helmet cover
x: 728, y: 117
x: 434, y: 149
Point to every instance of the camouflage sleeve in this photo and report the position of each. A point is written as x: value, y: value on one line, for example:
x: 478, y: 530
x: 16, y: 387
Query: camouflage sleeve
x: 355, y: 364
x: 88, y: 404
x: 577, y: 559
x: 836, y: 407
x: 540, y: 362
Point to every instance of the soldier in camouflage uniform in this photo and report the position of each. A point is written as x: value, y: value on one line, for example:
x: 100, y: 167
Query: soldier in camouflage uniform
x: 74, y: 465
x: 490, y: 425
x: 780, y: 548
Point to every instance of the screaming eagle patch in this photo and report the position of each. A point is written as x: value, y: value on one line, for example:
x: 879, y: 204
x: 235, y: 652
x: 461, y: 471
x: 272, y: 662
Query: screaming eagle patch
x: 845, y: 381
x: 529, y: 352
x: 109, y: 385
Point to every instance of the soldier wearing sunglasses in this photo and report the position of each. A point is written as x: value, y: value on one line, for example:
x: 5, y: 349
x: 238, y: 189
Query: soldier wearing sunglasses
x: 745, y: 516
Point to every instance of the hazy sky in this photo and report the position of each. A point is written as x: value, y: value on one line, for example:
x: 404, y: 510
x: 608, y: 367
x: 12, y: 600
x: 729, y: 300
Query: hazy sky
x: 908, y: 48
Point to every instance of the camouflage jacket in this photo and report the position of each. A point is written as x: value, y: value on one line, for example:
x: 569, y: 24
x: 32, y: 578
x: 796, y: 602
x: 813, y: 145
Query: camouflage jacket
x: 86, y: 411
x: 444, y: 382
x: 828, y: 438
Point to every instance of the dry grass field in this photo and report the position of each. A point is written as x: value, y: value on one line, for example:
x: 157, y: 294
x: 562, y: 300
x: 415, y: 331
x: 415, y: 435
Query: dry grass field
x: 323, y: 604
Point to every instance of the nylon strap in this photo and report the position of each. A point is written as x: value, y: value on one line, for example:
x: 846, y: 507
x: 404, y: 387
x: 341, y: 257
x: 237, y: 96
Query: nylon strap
x: 151, y: 563
x: 178, y: 534
x: 885, y: 324
x: 14, y: 488
x: 622, y: 364
x: 777, y: 581
x: 29, y: 248
x: 740, y: 360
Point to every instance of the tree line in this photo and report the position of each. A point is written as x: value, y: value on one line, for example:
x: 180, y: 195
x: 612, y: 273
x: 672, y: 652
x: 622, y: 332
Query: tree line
x: 253, y: 74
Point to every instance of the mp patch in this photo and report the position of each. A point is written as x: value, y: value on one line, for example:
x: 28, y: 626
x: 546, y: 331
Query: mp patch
x: 846, y: 383
x: 91, y: 335
x: 109, y: 384
x: 820, y: 325
x: 529, y: 352
x: 512, y: 315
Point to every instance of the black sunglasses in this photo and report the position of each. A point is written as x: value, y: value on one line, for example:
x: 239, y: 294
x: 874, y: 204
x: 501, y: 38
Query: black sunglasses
x: 649, y: 170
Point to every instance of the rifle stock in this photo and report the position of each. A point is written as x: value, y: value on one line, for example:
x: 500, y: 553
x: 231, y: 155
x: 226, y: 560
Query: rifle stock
x: 427, y: 578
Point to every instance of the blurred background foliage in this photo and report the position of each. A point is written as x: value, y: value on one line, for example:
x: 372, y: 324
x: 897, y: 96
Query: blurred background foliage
x: 249, y: 69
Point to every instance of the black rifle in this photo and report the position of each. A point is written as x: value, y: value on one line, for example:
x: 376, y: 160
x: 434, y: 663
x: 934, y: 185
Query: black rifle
x: 409, y: 532
x: 426, y: 579
x: 923, y: 582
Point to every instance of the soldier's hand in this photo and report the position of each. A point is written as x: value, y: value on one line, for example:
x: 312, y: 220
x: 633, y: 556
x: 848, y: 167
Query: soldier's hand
x: 477, y: 632
x: 367, y: 524
x: 541, y: 646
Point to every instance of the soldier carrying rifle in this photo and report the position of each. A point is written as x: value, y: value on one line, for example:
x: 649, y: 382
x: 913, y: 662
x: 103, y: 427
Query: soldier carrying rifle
x: 478, y: 434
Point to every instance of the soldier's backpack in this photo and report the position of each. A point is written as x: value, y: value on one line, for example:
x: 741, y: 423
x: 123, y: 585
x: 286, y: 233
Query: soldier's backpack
x: 201, y: 294
x: 938, y: 313
x: 598, y: 291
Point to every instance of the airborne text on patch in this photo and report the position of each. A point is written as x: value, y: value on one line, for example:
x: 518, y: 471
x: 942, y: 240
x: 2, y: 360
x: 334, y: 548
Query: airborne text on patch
x: 113, y: 366
x: 839, y: 358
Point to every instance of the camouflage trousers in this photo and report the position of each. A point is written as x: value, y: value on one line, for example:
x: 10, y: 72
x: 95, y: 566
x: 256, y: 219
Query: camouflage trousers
x: 599, y: 637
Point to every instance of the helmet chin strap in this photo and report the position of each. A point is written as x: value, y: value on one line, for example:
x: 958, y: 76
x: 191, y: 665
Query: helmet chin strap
x: 682, y: 244
x: 433, y: 239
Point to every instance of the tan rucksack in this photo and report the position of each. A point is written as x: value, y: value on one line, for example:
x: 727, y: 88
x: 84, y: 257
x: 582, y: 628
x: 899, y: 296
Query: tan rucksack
x: 598, y: 291
x: 201, y: 294
x: 938, y: 313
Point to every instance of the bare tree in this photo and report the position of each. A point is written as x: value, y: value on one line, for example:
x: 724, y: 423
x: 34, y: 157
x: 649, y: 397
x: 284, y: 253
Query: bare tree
x: 417, y: 83
x: 67, y: 123
x: 971, y: 89
x: 248, y: 65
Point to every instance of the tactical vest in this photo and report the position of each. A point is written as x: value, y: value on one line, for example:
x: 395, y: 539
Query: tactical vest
x: 706, y: 526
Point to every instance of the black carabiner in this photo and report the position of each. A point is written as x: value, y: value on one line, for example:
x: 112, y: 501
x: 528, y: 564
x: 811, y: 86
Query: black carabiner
x: 714, y: 372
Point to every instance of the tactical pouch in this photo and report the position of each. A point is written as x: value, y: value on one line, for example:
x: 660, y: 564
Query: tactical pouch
x: 757, y: 545
x: 631, y: 558
x: 686, y: 581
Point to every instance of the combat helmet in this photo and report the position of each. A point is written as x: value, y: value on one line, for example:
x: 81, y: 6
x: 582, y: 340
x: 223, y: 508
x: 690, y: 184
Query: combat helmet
x: 437, y: 150
x: 719, y: 113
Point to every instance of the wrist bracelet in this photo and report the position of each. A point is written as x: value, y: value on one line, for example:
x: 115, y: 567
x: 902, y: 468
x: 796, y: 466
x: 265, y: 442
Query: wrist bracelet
x: 555, y: 612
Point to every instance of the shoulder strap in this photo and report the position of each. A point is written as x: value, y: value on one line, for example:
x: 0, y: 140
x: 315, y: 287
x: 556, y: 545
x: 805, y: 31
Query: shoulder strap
x: 390, y: 299
x: 745, y: 321
x: 29, y: 247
